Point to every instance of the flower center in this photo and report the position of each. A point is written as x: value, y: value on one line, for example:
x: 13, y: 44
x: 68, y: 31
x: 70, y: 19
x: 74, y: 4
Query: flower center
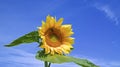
x: 53, y: 37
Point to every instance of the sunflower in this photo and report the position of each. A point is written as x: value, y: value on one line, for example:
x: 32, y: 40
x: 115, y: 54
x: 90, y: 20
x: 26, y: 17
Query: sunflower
x: 55, y: 37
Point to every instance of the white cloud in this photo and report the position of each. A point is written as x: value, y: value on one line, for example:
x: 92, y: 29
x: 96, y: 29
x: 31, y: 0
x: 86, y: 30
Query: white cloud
x: 100, y: 61
x: 109, y: 63
x: 16, y: 57
x: 19, y: 58
x: 105, y: 63
x: 114, y: 63
x: 108, y: 11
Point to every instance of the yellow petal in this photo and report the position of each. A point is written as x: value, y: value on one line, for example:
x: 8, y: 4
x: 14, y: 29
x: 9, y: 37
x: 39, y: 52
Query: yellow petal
x: 57, y: 50
x: 48, y: 18
x: 66, y: 30
x: 43, y: 28
x: 52, y: 50
x: 59, y: 22
x: 40, y: 31
x: 52, y: 22
x: 47, y: 50
x: 43, y: 42
x: 65, y: 51
x: 69, y: 40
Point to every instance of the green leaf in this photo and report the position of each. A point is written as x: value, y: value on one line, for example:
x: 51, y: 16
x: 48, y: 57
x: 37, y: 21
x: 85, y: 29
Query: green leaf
x: 27, y: 38
x: 62, y: 59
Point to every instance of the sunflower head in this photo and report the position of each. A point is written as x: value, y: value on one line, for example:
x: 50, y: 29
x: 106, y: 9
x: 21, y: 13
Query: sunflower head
x: 55, y: 37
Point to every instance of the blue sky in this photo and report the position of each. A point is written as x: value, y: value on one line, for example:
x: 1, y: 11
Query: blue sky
x: 96, y: 25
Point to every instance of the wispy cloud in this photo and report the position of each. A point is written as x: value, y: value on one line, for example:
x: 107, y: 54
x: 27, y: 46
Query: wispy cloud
x: 100, y: 61
x: 16, y: 57
x: 108, y: 11
x: 104, y: 63
x: 19, y: 58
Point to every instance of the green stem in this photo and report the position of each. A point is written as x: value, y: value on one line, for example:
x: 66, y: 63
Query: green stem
x: 49, y: 64
x: 46, y: 64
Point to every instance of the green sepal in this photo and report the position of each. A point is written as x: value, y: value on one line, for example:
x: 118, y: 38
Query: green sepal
x: 27, y: 38
x: 63, y: 59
